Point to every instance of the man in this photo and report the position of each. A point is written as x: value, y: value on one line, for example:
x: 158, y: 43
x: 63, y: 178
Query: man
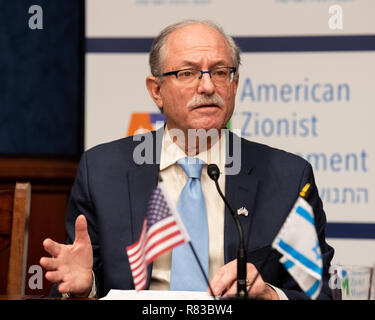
x: 194, y: 81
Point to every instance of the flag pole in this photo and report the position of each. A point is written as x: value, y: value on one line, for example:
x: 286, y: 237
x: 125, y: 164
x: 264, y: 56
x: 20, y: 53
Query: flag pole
x: 202, y: 270
x: 304, y: 193
x: 182, y: 228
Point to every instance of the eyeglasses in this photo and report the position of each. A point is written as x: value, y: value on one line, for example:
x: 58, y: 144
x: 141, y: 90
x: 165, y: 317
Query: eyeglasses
x: 218, y: 75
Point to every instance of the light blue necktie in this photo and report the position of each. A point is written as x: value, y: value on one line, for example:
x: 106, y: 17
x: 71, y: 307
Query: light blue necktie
x: 185, y: 272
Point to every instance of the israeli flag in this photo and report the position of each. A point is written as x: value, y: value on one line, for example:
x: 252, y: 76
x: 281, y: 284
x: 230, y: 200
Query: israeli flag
x: 298, y: 242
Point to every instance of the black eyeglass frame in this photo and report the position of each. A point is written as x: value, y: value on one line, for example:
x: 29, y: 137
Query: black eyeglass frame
x: 175, y: 73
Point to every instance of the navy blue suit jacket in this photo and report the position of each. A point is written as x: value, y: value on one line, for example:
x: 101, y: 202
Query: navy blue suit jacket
x: 112, y: 191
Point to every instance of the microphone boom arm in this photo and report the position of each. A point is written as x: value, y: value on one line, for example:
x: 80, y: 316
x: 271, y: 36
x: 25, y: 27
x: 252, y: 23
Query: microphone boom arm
x: 213, y: 172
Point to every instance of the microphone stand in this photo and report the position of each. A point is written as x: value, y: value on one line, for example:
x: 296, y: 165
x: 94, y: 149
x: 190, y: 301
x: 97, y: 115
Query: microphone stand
x: 213, y: 172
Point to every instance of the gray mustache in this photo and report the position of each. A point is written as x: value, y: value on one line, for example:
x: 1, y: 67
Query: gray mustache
x: 199, y: 100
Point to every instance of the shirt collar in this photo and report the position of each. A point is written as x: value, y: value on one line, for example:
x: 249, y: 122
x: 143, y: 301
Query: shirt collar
x: 171, y: 152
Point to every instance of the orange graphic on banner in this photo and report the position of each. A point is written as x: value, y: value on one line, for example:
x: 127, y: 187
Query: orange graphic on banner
x: 139, y: 123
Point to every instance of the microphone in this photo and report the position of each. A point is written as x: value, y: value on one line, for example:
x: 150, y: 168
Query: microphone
x: 214, y: 173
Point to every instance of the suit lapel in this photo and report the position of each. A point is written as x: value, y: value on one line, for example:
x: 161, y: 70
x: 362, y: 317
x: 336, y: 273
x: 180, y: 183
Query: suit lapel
x: 240, y: 191
x: 142, y: 181
x: 143, y: 178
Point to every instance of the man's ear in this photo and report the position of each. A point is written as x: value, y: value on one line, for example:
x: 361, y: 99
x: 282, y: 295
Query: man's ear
x: 153, y: 87
x: 236, y: 80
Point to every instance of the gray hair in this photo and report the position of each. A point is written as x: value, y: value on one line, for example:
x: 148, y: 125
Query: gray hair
x: 157, y: 52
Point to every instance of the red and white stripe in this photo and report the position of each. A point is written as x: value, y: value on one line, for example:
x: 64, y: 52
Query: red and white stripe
x: 161, y: 237
x: 136, y: 255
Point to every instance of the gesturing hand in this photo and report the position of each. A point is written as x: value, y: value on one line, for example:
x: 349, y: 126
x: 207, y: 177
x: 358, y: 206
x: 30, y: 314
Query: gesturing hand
x: 71, y: 265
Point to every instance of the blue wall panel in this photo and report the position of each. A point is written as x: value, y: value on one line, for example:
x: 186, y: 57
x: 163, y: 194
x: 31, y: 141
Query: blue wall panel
x: 41, y: 78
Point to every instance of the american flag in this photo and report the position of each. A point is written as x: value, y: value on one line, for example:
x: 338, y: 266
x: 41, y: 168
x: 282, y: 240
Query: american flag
x: 162, y: 230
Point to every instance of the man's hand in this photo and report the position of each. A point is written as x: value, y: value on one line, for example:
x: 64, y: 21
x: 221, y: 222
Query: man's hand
x: 224, y: 282
x: 71, y: 265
